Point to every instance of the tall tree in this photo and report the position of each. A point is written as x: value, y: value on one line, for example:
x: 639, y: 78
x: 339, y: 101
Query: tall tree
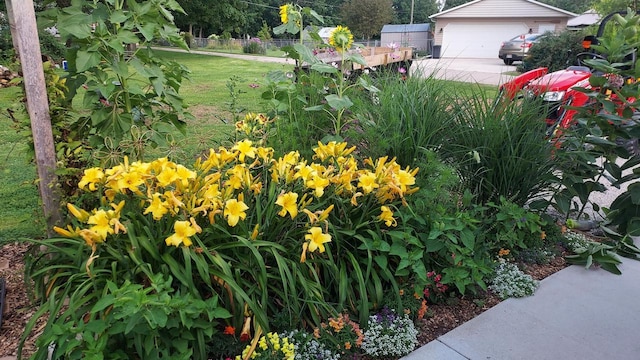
x: 448, y: 4
x: 608, y: 6
x: 365, y: 18
x: 205, y: 16
x: 422, y: 9
x: 574, y: 6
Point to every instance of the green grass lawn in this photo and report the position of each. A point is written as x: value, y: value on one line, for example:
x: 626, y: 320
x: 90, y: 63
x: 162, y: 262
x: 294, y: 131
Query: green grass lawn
x: 20, y: 213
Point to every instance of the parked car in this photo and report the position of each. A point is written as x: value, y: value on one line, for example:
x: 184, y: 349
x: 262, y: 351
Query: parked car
x: 517, y: 48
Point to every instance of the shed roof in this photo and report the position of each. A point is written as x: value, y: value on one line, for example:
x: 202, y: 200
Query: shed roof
x: 405, y: 28
x: 587, y: 18
x: 503, y: 9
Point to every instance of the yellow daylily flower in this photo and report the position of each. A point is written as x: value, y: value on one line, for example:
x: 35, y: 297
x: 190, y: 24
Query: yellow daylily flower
x: 387, y: 216
x: 130, y: 181
x: 91, y: 177
x: 157, y: 207
x: 234, y: 211
x: 317, y: 239
x: 183, y: 230
x: 367, y: 182
x: 167, y: 176
x: 289, y: 203
x: 101, y: 224
x: 325, y: 213
x: 78, y: 213
x: 185, y: 175
x: 245, y: 149
x: 404, y: 179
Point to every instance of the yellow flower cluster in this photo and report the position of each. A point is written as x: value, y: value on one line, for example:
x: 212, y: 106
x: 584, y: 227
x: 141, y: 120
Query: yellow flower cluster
x: 226, y: 184
x: 254, y: 126
x: 272, y: 347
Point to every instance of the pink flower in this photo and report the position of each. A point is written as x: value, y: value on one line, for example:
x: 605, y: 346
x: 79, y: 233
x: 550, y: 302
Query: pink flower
x: 402, y: 70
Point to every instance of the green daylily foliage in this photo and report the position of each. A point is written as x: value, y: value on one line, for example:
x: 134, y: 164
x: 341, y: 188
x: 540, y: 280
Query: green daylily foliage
x: 130, y: 96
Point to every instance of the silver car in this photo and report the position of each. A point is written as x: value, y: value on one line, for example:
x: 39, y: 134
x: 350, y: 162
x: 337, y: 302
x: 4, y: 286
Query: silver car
x: 517, y: 48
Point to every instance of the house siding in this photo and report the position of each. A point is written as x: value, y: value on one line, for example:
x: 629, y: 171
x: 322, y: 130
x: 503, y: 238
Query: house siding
x: 502, y: 9
x: 560, y: 23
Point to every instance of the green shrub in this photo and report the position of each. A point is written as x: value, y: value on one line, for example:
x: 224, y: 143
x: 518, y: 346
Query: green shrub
x: 7, y: 54
x: 556, y: 51
x: 254, y: 46
x: 52, y: 47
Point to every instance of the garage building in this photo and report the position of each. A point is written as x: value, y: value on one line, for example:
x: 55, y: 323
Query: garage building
x: 478, y: 28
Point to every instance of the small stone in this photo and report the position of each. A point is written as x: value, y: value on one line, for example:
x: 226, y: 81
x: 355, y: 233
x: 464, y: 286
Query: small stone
x: 4, y: 264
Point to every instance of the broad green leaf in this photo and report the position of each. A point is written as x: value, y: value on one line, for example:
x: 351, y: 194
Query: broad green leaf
x: 337, y: 102
x: 324, y: 68
x: 381, y: 260
x: 118, y: 16
x: 148, y: 30
x: 87, y: 60
x: 74, y: 25
x: 306, y: 55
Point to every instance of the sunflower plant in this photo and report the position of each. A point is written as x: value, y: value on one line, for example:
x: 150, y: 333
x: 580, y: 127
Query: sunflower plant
x: 257, y: 233
x: 335, y: 81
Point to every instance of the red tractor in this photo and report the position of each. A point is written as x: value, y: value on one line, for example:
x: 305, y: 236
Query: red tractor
x: 558, y: 89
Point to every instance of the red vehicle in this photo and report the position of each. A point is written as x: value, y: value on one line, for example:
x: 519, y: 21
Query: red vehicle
x: 557, y: 89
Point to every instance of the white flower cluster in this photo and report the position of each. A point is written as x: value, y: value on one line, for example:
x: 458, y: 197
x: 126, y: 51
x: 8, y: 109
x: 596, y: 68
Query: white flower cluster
x: 306, y: 347
x: 576, y: 242
x: 396, y: 337
x: 510, y: 281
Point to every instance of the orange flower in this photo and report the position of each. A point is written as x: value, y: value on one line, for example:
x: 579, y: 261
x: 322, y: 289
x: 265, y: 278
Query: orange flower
x: 423, y: 310
x: 229, y: 330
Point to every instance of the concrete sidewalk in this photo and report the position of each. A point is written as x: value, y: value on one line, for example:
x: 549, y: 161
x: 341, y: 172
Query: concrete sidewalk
x: 574, y: 314
x: 482, y: 71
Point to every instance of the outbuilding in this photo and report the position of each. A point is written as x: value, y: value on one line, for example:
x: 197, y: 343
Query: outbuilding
x: 417, y: 36
x: 478, y: 28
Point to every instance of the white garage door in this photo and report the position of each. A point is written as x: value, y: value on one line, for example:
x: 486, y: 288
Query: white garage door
x: 478, y: 40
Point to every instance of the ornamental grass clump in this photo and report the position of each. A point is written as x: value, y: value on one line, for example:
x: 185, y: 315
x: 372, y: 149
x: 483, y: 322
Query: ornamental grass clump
x: 252, y: 233
x: 510, y: 281
x: 389, y: 334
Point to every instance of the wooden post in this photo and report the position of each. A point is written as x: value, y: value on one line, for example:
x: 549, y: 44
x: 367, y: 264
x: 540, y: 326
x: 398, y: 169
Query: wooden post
x: 22, y: 16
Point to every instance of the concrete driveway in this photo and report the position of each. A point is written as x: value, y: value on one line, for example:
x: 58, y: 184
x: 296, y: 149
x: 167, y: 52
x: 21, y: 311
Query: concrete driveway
x: 482, y: 71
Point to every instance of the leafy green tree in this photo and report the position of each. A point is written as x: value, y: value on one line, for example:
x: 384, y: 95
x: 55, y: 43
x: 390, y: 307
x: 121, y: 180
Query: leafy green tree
x: 422, y: 9
x: 574, y: 6
x: 448, y: 4
x: 203, y: 17
x: 569, y: 5
x: 366, y: 17
x: 608, y: 6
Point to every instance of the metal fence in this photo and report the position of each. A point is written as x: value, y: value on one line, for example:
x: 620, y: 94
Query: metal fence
x: 237, y: 44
